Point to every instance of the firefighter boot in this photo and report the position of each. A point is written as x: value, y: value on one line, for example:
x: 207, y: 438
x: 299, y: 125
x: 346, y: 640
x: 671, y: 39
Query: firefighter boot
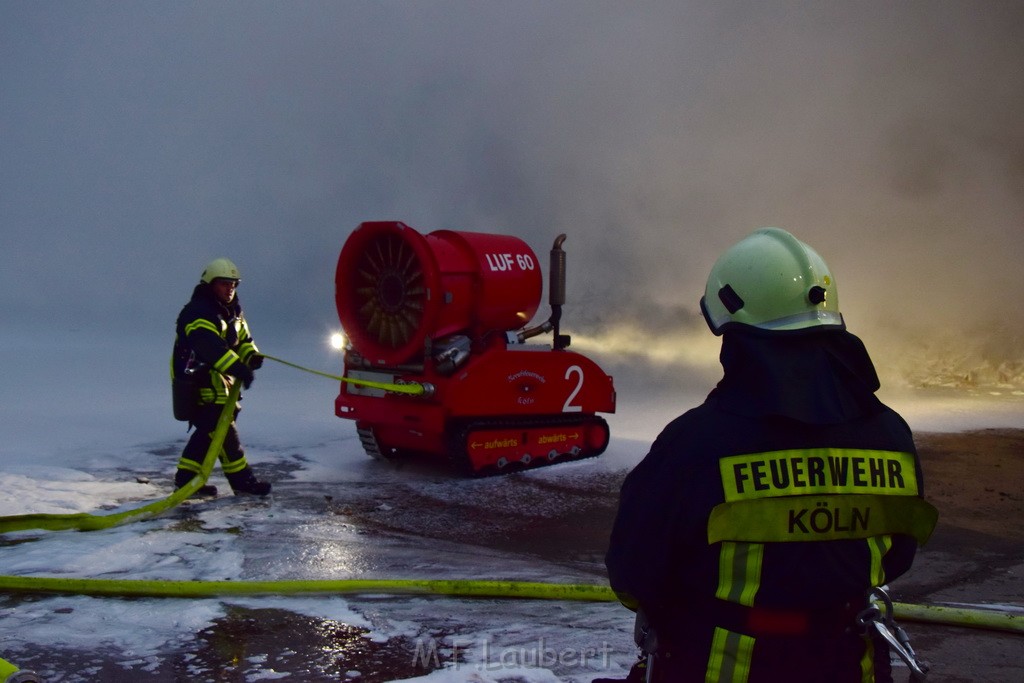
x: 246, y: 482
x: 182, y: 477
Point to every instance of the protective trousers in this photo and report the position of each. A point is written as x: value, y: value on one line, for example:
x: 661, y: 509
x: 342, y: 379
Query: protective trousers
x: 232, y: 457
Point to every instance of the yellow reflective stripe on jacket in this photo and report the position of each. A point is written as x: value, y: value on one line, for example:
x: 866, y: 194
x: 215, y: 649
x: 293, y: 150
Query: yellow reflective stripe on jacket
x: 226, y: 361
x: 246, y: 350
x: 878, y: 547
x: 203, y: 323
x: 212, y: 395
x: 217, y: 392
x: 729, y: 660
x: 821, y: 518
x: 739, y: 572
x: 813, y: 471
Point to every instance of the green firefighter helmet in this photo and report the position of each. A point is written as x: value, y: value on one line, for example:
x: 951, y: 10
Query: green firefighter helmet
x: 220, y: 268
x: 773, y: 282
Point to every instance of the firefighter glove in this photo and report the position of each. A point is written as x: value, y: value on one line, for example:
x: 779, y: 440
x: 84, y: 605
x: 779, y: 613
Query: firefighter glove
x: 243, y: 373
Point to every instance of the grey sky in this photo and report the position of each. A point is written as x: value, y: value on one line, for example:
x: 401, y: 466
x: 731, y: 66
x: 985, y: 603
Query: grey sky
x: 140, y: 139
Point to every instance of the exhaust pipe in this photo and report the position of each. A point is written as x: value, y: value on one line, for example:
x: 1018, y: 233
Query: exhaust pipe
x: 556, y: 298
x: 556, y: 291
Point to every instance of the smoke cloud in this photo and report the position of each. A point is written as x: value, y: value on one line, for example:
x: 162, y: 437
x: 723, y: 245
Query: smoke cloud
x: 140, y: 140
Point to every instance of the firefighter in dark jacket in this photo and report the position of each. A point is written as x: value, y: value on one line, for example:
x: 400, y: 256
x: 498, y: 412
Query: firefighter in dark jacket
x: 749, y: 536
x: 213, y: 348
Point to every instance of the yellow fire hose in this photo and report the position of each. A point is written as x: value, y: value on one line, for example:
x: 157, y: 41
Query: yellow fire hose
x: 411, y: 388
x: 519, y: 590
x: 966, y: 617
x: 468, y: 588
x: 9, y: 673
x: 88, y: 522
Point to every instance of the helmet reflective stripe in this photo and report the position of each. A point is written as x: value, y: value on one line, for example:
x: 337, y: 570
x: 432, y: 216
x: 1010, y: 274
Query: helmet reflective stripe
x: 771, y: 281
x: 220, y: 268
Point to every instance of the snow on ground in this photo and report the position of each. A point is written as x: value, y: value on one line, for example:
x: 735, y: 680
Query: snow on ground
x: 87, y: 428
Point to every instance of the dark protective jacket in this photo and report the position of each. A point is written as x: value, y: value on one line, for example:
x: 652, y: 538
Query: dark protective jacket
x: 212, y: 339
x: 755, y: 523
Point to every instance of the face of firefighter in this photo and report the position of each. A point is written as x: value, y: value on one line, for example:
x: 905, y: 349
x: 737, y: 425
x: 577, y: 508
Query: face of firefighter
x: 224, y: 289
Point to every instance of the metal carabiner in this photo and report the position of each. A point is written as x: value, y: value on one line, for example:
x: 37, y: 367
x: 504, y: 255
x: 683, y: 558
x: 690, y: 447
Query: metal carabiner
x: 885, y: 625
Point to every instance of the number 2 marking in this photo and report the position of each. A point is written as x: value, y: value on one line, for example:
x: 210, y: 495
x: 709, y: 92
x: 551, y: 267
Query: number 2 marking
x: 569, y: 372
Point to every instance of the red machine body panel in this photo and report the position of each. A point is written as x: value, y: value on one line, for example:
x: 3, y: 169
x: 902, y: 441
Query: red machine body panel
x: 530, y: 381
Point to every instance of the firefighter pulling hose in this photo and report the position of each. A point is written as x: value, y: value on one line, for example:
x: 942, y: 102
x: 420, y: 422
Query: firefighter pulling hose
x: 213, y: 349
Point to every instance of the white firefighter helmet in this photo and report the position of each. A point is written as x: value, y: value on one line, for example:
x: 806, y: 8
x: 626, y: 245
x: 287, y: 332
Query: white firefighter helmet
x: 220, y: 268
x: 773, y: 282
